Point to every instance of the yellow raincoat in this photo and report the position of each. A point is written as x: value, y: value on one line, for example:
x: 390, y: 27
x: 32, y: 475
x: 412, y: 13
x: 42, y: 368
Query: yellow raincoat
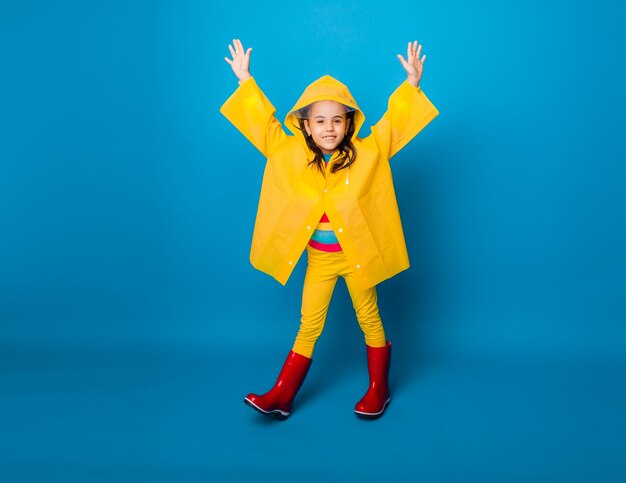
x: 360, y: 201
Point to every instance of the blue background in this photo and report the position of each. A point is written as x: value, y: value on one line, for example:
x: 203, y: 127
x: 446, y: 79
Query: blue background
x: 132, y: 323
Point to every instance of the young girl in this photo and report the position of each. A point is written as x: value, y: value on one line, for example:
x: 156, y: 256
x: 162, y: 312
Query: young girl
x: 329, y: 191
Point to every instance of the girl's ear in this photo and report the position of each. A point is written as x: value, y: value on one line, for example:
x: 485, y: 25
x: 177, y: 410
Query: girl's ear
x: 306, y: 127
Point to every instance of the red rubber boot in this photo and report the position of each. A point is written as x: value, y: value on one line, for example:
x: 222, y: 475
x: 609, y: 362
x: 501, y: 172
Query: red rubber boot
x: 377, y: 396
x: 279, y: 400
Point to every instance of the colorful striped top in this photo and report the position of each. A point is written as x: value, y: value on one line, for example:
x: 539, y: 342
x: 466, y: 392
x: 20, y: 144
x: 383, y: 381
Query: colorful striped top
x: 323, y: 237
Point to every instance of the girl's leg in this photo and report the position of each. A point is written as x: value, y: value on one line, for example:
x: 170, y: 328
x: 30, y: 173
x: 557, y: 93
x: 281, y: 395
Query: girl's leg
x: 319, y: 283
x: 365, y: 303
x: 378, y: 350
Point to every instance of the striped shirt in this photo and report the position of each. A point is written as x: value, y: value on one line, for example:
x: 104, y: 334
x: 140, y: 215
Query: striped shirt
x: 323, y: 237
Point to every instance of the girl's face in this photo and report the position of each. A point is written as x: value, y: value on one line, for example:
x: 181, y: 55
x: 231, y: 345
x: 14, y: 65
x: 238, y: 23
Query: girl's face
x: 327, y: 124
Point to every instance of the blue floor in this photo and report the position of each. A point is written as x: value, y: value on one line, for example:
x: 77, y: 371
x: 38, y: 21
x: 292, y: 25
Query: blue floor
x: 159, y: 414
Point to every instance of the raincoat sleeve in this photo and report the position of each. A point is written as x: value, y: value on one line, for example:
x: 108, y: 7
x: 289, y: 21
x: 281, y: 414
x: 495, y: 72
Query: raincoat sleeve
x: 253, y: 114
x: 408, y: 112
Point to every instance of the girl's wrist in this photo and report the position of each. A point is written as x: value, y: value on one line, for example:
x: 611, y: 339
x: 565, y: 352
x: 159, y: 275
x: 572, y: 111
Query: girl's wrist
x: 244, y: 77
x: 414, y: 81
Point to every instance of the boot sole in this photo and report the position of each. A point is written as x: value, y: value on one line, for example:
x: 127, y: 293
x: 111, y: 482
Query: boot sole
x: 373, y: 415
x: 282, y: 415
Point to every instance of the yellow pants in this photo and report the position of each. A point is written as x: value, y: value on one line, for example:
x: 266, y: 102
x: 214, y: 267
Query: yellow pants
x: 319, y: 282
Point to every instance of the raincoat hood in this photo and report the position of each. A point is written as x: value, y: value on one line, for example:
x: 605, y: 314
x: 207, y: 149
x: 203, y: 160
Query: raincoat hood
x: 325, y: 88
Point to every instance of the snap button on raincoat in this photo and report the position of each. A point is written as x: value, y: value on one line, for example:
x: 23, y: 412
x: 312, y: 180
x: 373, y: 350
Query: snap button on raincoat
x: 360, y: 202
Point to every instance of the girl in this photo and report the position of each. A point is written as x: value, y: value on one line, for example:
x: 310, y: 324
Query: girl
x: 329, y: 191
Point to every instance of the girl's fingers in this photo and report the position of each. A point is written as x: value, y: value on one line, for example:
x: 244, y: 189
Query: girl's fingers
x: 228, y: 60
x: 413, y: 52
x: 237, y: 49
x: 402, y: 61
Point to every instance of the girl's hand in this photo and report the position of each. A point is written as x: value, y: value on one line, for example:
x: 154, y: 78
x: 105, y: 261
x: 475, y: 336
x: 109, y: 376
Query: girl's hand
x: 413, y: 65
x: 241, y: 60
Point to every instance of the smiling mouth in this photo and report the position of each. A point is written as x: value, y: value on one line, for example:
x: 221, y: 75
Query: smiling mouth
x: 329, y: 138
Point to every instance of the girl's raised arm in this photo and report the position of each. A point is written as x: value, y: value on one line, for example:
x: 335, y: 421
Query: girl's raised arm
x: 248, y: 109
x: 408, y: 110
x: 240, y: 61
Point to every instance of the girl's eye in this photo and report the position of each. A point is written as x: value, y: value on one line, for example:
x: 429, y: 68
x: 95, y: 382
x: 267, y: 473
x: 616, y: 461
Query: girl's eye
x: 319, y: 121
